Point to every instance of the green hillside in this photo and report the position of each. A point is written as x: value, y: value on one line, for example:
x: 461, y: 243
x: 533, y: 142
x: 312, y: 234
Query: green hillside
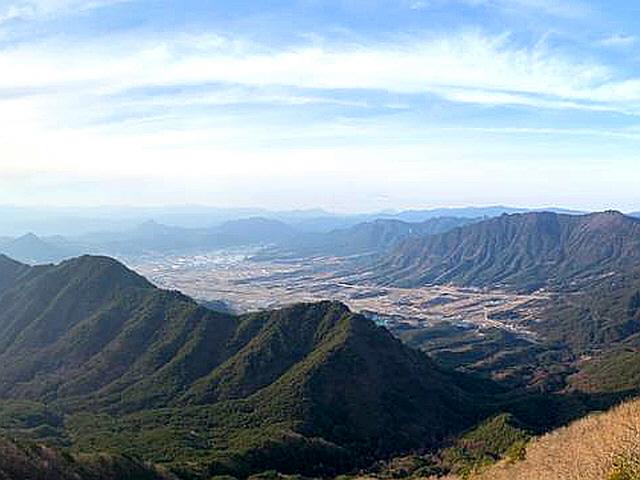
x: 133, y: 369
x: 31, y: 461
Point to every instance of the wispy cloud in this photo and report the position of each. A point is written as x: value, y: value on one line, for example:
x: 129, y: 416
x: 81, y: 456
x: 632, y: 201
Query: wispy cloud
x: 418, y: 4
x: 31, y: 9
x: 211, y: 107
x: 618, y: 40
x: 570, y: 9
x: 472, y: 61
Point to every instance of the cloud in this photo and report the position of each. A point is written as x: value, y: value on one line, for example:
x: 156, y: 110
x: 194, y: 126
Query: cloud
x: 472, y: 61
x: 30, y: 9
x: 218, y: 109
x: 207, y: 82
x: 570, y: 9
x: 225, y: 116
x: 204, y: 96
x: 418, y: 5
x: 618, y: 40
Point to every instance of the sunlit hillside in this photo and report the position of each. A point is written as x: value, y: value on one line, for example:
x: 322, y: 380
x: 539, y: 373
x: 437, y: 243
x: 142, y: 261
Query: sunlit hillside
x: 603, y: 446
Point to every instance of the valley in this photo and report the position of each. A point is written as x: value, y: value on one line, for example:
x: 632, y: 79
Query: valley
x: 242, y: 359
x: 245, y: 284
x: 304, y: 240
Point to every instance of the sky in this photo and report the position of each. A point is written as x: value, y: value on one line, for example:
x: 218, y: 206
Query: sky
x: 348, y: 105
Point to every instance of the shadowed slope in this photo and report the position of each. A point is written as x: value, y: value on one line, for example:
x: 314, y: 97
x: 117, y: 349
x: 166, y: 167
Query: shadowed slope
x: 22, y: 461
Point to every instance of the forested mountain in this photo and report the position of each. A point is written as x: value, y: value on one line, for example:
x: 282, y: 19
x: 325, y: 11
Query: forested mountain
x: 598, y: 317
x: 602, y: 327
x: 28, y: 461
x: 91, y: 336
x: 522, y: 251
x: 100, y: 360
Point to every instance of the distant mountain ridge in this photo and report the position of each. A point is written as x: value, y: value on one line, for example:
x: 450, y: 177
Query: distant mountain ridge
x: 522, y: 251
x: 476, y: 212
x: 153, y: 237
x: 78, y: 221
x: 32, y: 249
x: 373, y: 237
x: 128, y: 231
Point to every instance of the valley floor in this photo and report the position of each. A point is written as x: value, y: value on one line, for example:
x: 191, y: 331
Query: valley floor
x: 244, y: 284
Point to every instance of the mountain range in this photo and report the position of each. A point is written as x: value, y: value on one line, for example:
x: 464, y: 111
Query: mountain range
x: 375, y: 237
x: 521, y: 251
x: 94, y: 358
x: 129, y: 364
x: 78, y: 221
x: 182, y: 230
x: 153, y: 237
x: 281, y: 239
x: 147, y: 238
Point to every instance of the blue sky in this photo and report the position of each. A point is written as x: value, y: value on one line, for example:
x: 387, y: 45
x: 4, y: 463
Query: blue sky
x: 344, y: 104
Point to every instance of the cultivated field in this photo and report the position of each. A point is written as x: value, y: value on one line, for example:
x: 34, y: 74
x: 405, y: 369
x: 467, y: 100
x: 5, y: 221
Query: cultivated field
x: 246, y: 285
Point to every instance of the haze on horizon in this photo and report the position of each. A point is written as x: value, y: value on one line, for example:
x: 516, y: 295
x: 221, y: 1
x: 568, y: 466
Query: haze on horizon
x: 347, y: 105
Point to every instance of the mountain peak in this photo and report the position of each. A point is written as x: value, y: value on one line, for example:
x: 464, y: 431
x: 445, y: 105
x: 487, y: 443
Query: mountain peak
x: 32, y: 249
x: 86, y: 272
x: 29, y: 236
x: 609, y: 219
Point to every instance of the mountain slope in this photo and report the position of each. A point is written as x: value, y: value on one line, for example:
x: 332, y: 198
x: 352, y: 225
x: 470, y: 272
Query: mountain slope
x: 523, y: 251
x: 10, y: 270
x: 357, y: 396
x: 89, y: 322
x: 366, y: 238
x: 599, y: 317
x: 21, y: 461
x: 350, y: 373
x: 601, y: 446
x: 102, y: 344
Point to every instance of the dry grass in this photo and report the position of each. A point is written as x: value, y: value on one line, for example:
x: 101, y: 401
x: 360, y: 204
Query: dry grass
x: 599, y: 447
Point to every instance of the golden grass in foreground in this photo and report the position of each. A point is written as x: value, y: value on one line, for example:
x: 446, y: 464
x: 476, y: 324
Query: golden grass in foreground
x: 599, y: 447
